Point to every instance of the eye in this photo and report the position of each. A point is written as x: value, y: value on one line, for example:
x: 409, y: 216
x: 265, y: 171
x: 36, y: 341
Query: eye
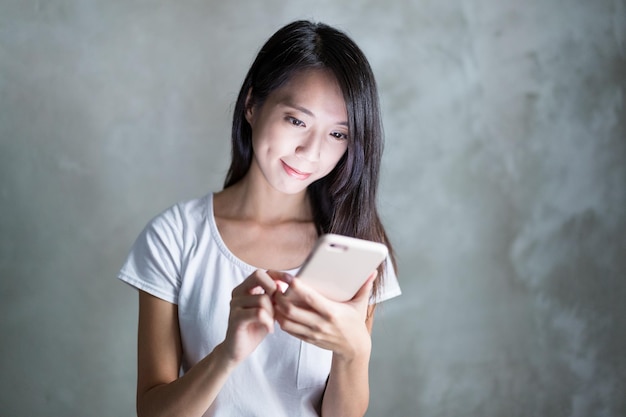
x: 295, y: 122
x: 339, y: 135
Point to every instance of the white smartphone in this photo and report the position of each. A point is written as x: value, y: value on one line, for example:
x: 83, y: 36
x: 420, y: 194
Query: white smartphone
x: 339, y: 265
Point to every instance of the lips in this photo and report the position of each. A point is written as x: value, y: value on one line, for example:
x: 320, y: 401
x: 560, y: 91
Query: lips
x: 292, y: 172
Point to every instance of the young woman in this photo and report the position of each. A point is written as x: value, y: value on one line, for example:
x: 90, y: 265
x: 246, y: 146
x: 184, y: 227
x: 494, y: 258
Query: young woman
x: 217, y: 335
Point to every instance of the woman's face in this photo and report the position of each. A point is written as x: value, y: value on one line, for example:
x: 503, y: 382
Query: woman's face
x: 300, y: 132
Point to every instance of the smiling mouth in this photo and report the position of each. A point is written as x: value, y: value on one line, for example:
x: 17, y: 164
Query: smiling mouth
x: 295, y: 173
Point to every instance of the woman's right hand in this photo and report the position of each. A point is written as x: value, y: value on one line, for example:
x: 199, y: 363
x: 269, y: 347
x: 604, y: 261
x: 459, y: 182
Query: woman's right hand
x: 160, y: 389
x: 251, y: 316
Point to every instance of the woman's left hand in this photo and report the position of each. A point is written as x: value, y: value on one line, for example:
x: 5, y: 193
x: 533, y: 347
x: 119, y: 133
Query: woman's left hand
x: 338, y: 326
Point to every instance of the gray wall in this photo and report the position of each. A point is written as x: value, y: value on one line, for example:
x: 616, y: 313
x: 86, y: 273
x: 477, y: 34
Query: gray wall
x: 504, y: 190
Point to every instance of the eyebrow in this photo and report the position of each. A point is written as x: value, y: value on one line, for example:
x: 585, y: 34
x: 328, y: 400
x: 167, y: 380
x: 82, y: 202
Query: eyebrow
x: 289, y: 103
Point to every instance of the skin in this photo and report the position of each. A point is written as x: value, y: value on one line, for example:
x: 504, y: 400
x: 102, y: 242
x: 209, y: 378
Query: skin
x: 299, y: 135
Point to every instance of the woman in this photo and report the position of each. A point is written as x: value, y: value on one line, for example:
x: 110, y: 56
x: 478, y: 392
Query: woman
x: 217, y: 337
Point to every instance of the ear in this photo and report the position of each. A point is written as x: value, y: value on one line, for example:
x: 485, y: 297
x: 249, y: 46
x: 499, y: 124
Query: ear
x: 249, y: 107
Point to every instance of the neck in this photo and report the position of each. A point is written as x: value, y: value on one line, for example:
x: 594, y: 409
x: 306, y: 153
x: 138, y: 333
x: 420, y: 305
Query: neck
x: 257, y: 201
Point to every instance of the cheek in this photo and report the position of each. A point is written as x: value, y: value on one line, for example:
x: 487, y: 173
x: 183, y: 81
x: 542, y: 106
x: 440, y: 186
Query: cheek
x: 261, y: 142
x: 271, y: 139
x: 334, y: 156
x: 339, y: 153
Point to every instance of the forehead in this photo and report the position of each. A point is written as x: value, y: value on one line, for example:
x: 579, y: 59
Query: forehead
x: 318, y: 76
x: 312, y: 87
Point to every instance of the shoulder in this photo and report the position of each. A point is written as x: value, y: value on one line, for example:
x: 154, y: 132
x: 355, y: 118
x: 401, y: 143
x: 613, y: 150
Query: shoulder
x: 175, y: 225
x: 184, y: 213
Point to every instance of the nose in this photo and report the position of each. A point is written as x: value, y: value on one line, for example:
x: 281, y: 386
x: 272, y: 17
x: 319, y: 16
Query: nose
x: 310, y: 147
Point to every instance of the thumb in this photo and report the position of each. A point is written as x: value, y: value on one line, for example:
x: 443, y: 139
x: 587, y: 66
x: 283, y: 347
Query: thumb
x: 366, y: 289
x: 282, y: 279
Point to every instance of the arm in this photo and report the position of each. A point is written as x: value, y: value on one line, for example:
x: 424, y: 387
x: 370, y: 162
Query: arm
x: 347, y: 391
x: 340, y: 327
x: 160, y: 391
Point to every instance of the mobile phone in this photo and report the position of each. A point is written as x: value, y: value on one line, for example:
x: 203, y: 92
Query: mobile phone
x: 339, y: 265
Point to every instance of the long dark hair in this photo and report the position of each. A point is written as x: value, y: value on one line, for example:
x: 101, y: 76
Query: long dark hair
x: 343, y: 202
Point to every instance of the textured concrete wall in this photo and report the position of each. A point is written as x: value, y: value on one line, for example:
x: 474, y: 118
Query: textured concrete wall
x: 504, y: 190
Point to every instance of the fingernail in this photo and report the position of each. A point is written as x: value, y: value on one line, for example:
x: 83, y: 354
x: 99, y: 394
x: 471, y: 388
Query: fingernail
x: 282, y: 286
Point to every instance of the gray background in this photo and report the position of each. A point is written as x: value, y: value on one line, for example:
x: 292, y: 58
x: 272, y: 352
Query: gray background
x: 504, y: 190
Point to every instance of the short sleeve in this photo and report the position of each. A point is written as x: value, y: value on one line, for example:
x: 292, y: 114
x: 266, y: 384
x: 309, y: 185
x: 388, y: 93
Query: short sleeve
x: 154, y: 262
x: 390, y: 287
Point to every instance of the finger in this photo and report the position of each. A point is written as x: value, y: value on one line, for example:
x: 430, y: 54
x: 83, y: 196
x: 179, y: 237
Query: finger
x: 305, y: 296
x: 258, y: 278
x: 258, y: 308
x: 282, y: 279
x: 286, y: 308
x: 252, y: 301
x: 298, y: 321
x: 366, y: 289
x: 280, y: 275
x: 256, y: 316
x: 299, y: 330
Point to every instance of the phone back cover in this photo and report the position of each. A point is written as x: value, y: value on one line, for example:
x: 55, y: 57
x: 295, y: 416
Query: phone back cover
x: 339, y: 265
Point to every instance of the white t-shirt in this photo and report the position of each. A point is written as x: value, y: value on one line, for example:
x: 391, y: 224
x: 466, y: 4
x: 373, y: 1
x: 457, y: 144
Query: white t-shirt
x: 180, y: 257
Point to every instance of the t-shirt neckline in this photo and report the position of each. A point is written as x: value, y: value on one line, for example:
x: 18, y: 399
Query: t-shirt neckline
x: 217, y: 237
